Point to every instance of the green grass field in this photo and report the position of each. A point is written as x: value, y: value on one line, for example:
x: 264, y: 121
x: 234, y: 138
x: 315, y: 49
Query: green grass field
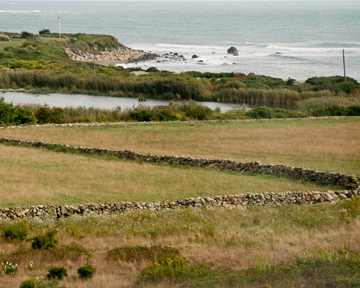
x: 13, y: 43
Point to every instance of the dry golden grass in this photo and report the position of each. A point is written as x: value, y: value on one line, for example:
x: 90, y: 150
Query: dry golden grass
x: 328, y: 145
x: 33, y: 176
x: 276, y: 240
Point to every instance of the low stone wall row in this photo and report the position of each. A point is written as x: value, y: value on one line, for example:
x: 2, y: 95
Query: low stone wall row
x: 298, y: 173
x: 171, y: 122
x: 238, y: 201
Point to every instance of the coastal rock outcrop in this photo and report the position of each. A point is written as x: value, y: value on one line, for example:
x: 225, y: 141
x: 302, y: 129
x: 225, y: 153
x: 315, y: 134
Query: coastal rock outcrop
x: 111, y: 57
x: 233, y: 50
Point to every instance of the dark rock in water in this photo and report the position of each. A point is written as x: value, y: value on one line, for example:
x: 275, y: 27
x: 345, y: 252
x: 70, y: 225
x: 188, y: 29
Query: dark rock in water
x: 195, y: 56
x: 233, y: 50
x: 278, y: 53
x: 176, y: 54
x: 200, y: 61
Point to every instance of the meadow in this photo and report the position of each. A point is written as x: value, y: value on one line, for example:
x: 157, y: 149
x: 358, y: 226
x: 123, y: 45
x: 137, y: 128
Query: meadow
x: 289, y: 246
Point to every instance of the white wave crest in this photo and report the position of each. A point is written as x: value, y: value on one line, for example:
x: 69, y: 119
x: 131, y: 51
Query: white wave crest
x: 298, y: 49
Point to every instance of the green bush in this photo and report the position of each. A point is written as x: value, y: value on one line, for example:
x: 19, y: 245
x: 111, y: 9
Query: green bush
x: 26, y: 35
x: 44, y: 241
x: 44, y: 31
x: 49, y: 115
x: 171, y: 268
x: 57, y: 273
x: 86, y: 271
x: 268, y: 113
x: 17, y: 231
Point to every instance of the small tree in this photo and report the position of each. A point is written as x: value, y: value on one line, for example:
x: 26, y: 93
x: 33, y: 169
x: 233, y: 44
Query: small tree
x: 44, y: 31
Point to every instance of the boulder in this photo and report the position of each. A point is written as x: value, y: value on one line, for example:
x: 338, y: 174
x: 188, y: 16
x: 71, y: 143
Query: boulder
x: 195, y: 56
x: 233, y: 50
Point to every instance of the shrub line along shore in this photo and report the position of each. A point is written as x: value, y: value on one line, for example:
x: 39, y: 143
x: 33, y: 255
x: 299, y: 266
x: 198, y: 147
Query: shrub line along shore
x: 172, y: 122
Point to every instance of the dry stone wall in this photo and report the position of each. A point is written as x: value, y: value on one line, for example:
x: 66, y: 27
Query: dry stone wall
x: 298, y: 173
x: 237, y: 201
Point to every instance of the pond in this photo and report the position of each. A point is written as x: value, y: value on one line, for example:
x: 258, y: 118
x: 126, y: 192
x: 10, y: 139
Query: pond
x: 103, y: 102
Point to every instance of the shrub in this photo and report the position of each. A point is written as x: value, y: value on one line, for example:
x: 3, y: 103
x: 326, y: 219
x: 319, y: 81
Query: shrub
x: 45, y: 241
x: 17, y: 231
x: 86, y: 271
x: 27, y: 35
x: 57, y: 273
x: 171, y: 268
x: 9, y: 268
x: 49, y: 115
x: 44, y: 31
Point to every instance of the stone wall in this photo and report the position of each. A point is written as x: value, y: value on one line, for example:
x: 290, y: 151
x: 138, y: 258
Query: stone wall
x: 237, y: 201
x: 298, y: 173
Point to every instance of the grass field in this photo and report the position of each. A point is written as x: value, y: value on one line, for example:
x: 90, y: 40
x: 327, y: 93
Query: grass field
x: 42, y: 177
x: 326, y: 145
x: 290, y: 246
x: 13, y: 42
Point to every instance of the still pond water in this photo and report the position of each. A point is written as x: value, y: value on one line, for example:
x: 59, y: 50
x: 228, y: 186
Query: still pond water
x: 104, y: 102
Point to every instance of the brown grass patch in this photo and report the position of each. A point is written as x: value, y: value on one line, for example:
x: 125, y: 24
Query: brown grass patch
x: 328, y: 145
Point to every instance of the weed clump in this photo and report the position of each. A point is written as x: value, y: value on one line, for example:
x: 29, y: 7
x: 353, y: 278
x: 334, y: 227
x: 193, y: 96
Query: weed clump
x: 45, y: 241
x: 17, y: 231
x: 171, y: 268
x: 9, y: 268
x: 86, y: 271
x: 57, y: 273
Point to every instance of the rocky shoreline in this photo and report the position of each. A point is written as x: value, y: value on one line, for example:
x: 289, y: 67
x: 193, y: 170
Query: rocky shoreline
x: 121, y: 55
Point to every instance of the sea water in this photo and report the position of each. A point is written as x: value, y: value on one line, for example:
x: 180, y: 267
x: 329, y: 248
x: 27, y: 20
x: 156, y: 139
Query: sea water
x: 285, y: 39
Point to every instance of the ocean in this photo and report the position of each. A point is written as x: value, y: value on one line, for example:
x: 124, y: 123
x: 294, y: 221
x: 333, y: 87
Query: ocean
x: 285, y: 39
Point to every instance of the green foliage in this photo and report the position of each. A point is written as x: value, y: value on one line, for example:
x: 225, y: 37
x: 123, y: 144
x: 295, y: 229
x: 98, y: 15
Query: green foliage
x: 17, y: 231
x: 146, y: 114
x: 49, y: 115
x: 10, y: 115
x: 195, y: 110
x: 9, y: 268
x: 44, y: 31
x: 334, y: 83
x: 39, y: 283
x: 57, y: 273
x: 45, y: 241
x: 142, y: 253
x: 86, y: 271
x: 152, y: 69
x: 27, y: 35
x: 336, y: 111
x: 171, y: 268
x: 352, y: 207
x: 268, y: 113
